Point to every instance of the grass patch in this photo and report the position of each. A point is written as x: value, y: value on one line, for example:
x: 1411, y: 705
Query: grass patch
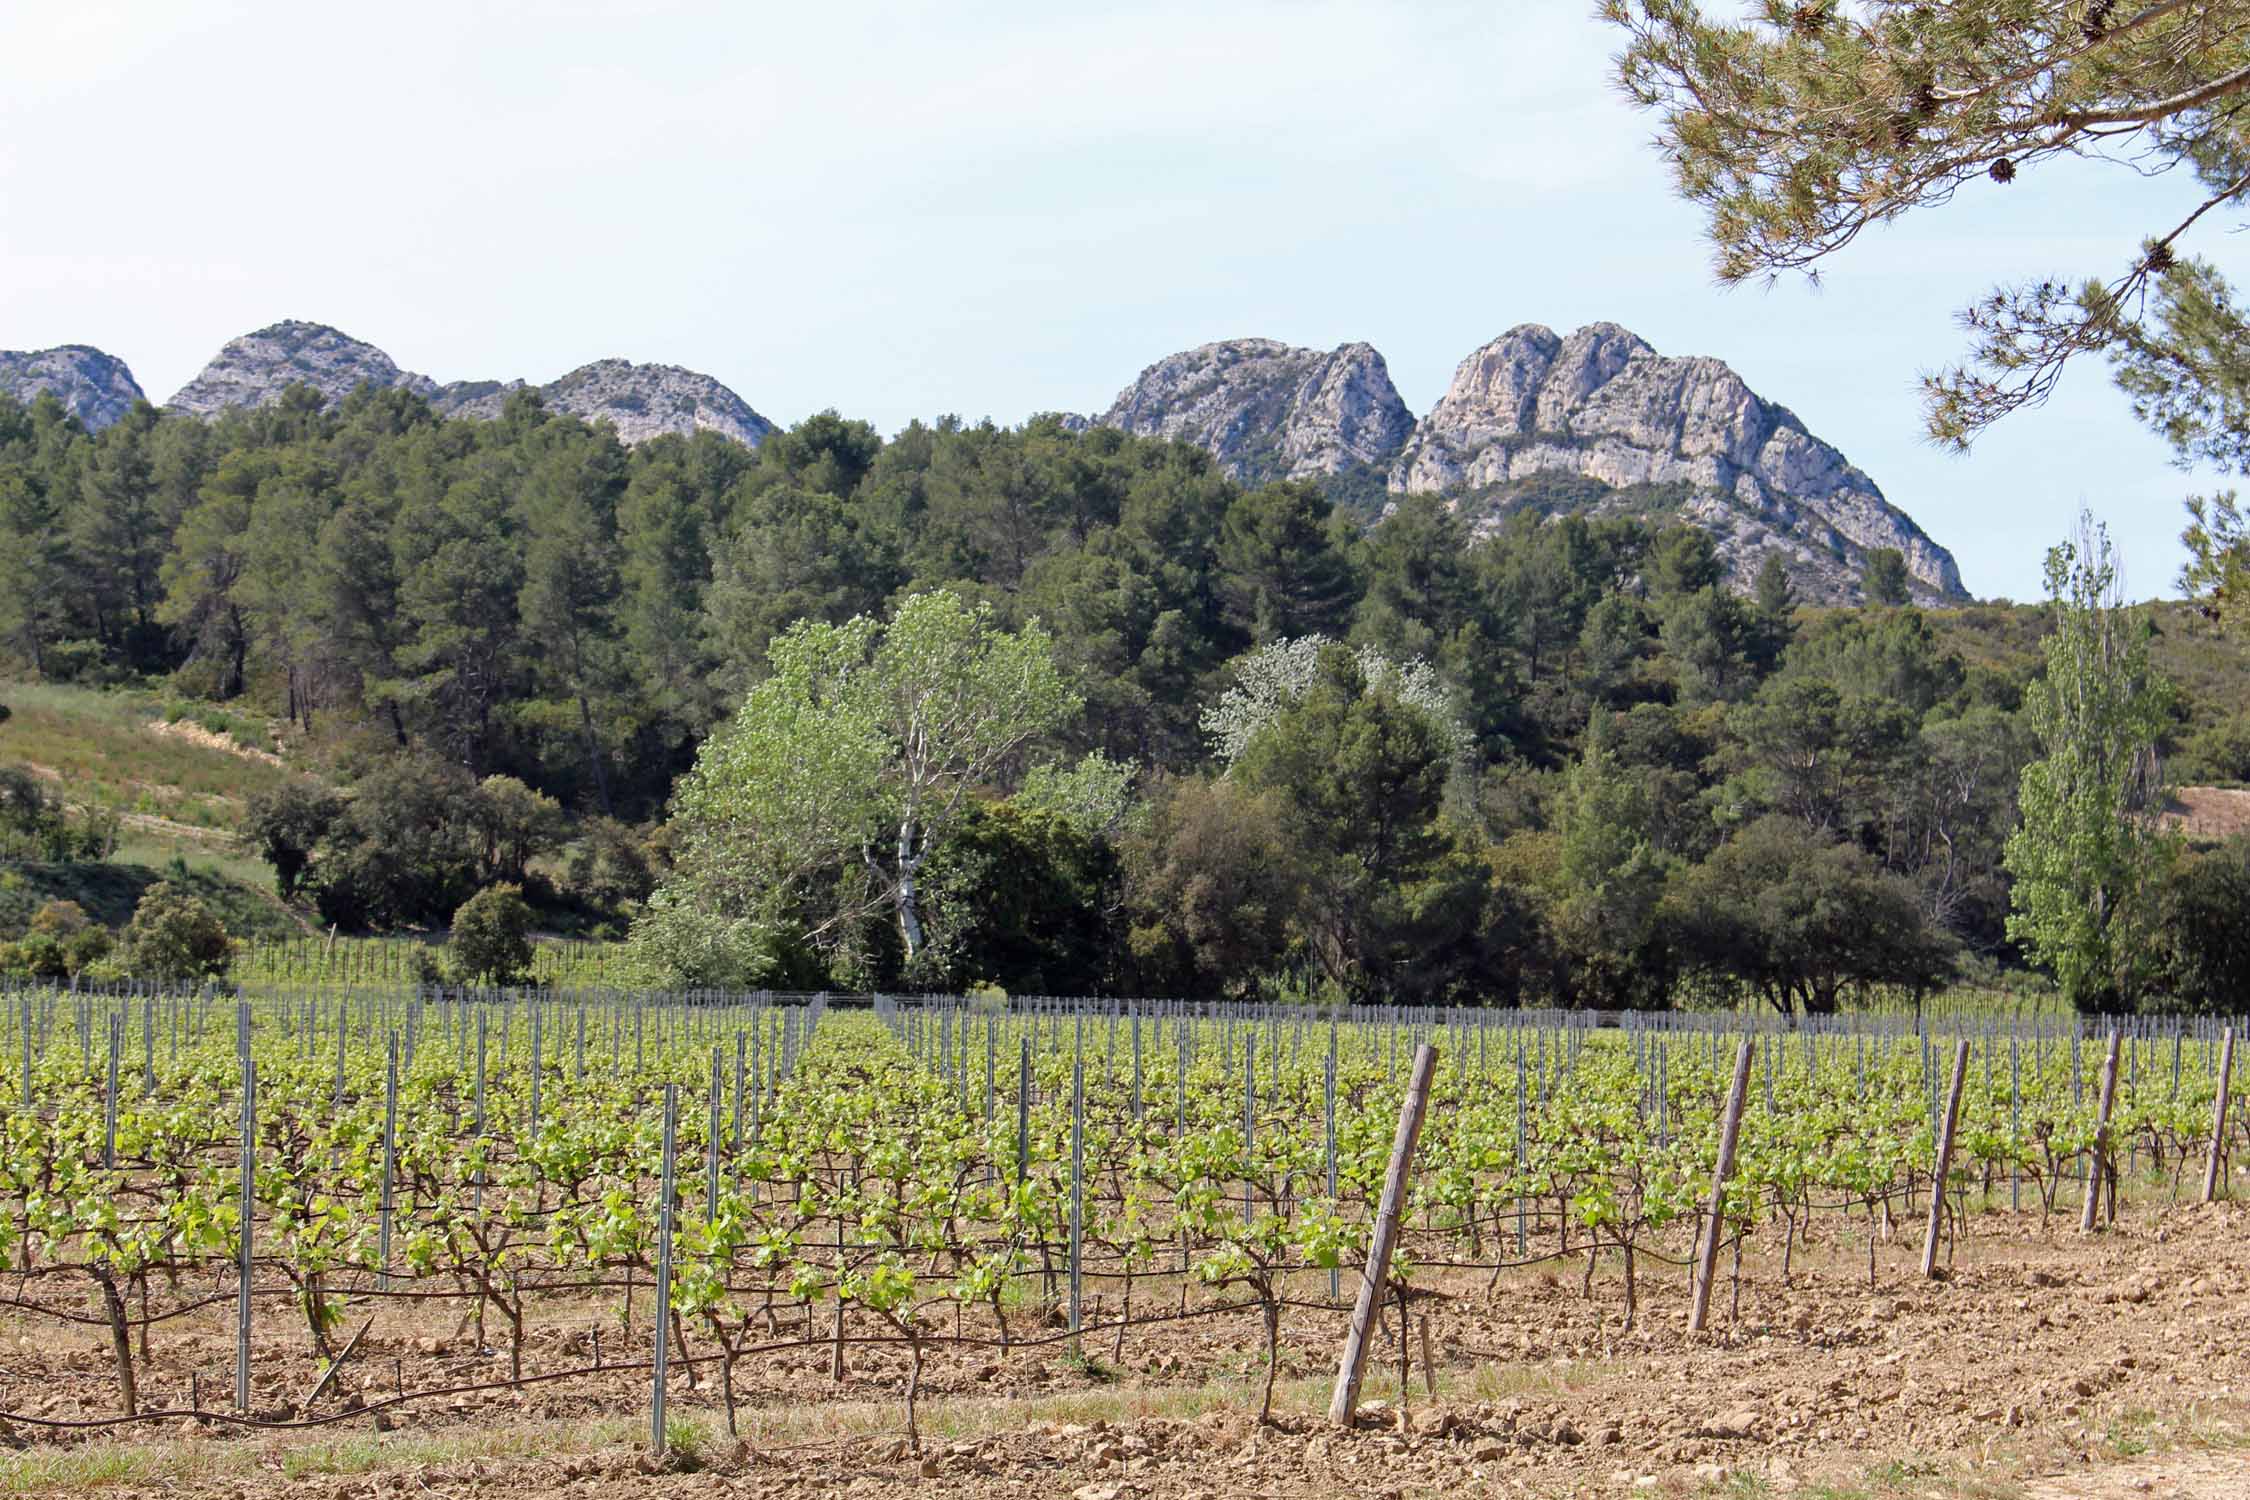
x: 102, y: 750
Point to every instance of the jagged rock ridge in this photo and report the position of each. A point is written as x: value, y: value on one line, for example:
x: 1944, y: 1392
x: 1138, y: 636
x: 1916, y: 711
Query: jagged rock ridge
x: 256, y: 368
x: 1603, y: 404
x: 640, y: 400
x: 92, y: 386
x: 1268, y: 410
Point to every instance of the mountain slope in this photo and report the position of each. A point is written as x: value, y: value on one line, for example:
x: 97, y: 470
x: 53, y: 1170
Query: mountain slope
x: 1268, y: 410
x: 92, y: 386
x: 255, y: 369
x: 1628, y: 428
x: 1601, y: 403
x: 641, y: 400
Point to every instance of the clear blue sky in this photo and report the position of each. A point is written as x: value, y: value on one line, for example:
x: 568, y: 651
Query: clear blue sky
x: 989, y: 209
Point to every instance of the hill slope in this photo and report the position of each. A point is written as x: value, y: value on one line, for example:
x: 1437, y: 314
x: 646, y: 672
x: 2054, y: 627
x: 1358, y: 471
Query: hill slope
x: 639, y: 400
x: 94, y: 387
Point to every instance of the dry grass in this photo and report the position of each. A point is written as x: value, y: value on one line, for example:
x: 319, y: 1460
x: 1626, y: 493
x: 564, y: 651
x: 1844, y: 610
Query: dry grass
x: 2209, y: 814
x: 103, y: 750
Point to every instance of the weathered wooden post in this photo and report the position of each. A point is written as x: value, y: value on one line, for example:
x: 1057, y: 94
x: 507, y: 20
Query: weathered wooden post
x: 1944, y: 1157
x: 1379, y: 1251
x: 1707, y: 1249
x: 2219, y: 1117
x: 2100, y: 1170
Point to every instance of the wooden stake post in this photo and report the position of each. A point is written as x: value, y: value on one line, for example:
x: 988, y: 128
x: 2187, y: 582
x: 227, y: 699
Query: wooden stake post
x: 2219, y: 1117
x: 1378, y: 1272
x: 1707, y: 1248
x: 2099, y: 1173
x: 1944, y: 1158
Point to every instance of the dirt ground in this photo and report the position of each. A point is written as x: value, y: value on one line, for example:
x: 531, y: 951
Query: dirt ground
x: 2043, y: 1367
x: 2209, y: 812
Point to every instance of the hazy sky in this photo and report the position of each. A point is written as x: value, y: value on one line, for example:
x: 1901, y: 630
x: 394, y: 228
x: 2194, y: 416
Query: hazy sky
x: 989, y: 209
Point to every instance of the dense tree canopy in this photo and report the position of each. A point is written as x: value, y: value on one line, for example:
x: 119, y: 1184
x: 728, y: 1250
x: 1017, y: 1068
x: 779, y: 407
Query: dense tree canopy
x: 1040, y: 708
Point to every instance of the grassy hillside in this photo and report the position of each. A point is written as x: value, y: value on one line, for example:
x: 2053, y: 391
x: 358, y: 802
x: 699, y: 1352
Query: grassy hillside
x: 177, y: 777
x: 2209, y: 666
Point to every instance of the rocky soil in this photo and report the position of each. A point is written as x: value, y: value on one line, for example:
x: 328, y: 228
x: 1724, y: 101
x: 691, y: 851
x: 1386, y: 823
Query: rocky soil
x: 2042, y: 1366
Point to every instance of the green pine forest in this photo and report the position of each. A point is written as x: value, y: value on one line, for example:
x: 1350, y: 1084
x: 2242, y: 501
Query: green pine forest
x: 652, y: 691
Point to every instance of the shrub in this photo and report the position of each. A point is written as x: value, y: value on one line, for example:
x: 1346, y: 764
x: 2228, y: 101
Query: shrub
x: 610, y: 869
x: 286, y: 824
x: 31, y: 822
x: 175, y: 939
x: 492, y: 937
x: 60, y: 919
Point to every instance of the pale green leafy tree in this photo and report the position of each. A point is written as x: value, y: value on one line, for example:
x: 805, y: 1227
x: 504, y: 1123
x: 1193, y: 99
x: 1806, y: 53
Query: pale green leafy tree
x: 847, y: 767
x: 2087, y: 856
x: 1095, y: 796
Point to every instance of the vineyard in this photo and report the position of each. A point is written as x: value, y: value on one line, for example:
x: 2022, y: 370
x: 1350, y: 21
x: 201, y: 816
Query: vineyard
x: 699, y: 1203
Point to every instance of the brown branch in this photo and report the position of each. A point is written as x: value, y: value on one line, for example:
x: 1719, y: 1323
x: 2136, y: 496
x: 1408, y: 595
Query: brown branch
x: 2162, y: 109
x: 2125, y: 28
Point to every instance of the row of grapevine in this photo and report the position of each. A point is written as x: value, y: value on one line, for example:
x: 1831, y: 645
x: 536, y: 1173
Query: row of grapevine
x: 951, y: 1173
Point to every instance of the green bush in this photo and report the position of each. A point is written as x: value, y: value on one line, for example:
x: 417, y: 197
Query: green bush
x: 492, y: 937
x: 175, y: 939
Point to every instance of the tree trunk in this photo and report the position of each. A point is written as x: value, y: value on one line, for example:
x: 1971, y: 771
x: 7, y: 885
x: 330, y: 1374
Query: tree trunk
x: 909, y: 892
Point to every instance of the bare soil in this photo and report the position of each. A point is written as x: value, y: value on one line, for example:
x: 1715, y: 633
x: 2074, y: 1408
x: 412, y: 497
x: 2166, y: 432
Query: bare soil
x: 2209, y: 813
x: 2043, y: 1366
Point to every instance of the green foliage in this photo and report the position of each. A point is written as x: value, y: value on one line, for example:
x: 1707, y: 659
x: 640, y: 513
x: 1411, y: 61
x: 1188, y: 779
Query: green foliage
x: 503, y: 642
x: 1609, y: 879
x: 2217, y: 572
x: 492, y: 937
x: 285, y: 824
x: 174, y: 939
x: 406, y: 848
x: 1914, y: 101
x: 1393, y: 903
x: 1213, y: 885
x: 1017, y: 898
x: 1095, y: 796
x: 1797, y: 918
x: 61, y: 942
x: 1776, y: 596
x: 2089, y: 852
x: 1884, y: 579
x: 1287, y: 557
x: 853, y: 761
x: 2203, y: 943
x: 2216, y: 754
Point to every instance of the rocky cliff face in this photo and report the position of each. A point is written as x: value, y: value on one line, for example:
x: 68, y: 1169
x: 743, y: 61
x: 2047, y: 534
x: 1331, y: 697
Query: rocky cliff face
x: 255, y: 369
x: 1270, y: 411
x: 642, y: 400
x: 94, y: 387
x: 1601, y: 403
